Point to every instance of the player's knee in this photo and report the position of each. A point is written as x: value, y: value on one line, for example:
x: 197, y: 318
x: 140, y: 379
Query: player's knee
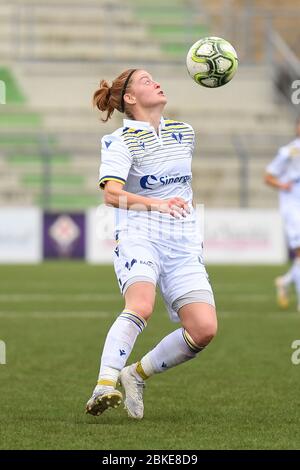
x: 209, y: 333
x: 143, y: 307
x: 204, y: 333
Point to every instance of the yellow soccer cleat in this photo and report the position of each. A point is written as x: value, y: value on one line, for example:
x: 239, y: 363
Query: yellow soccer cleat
x: 103, y: 397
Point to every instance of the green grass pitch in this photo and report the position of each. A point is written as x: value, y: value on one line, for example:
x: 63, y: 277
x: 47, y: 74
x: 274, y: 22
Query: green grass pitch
x: 242, y: 392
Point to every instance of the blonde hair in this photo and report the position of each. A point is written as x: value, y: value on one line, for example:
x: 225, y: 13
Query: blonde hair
x: 108, y: 98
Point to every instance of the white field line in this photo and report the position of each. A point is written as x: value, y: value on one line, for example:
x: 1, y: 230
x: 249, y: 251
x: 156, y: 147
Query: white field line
x: 99, y: 314
x: 244, y: 297
x: 55, y: 315
x: 61, y: 297
x: 116, y: 297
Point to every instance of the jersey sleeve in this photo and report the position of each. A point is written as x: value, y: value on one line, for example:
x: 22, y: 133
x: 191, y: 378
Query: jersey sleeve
x: 193, y: 139
x: 278, y: 165
x: 115, y: 160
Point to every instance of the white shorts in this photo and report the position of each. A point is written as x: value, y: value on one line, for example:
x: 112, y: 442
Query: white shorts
x: 291, y: 220
x: 177, y: 272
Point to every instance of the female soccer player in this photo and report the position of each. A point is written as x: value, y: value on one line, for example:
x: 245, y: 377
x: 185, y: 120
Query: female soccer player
x: 283, y: 173
x: 145, y: 173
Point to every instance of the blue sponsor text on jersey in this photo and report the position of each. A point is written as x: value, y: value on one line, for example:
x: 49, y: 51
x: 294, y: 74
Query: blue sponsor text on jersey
x: 148, y: 181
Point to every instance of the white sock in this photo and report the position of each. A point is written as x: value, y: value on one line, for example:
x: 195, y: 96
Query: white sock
x: 174, y: 349
x: 118, y: 346
x: 296, y: 276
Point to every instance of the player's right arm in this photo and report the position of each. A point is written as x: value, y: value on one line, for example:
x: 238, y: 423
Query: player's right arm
x: 115, y: 165
x: 115, y: 196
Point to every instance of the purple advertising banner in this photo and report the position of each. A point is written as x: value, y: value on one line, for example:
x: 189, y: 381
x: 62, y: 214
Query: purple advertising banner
x: 64, y: 235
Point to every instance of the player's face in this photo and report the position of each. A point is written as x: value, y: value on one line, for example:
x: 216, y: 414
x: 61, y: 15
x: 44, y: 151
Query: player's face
x: 146, y: 91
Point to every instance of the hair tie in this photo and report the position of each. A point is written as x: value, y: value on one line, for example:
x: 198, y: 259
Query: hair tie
x: 124, y: 89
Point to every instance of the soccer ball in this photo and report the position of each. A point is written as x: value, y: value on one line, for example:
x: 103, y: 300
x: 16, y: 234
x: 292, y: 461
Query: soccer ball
x: 212, y: 62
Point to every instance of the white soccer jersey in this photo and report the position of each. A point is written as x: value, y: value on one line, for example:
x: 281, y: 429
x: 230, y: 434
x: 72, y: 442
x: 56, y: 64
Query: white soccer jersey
x: 152, y: 165
x: 286, y: 167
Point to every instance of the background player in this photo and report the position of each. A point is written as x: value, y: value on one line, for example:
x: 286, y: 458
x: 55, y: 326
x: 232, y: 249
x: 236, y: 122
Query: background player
x: 283, y: 173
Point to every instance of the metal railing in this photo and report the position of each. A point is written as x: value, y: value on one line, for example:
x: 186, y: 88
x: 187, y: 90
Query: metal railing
x: 250, y: 150
x: 37, y: 144
x: 248, y: 28
x: 229, y: 178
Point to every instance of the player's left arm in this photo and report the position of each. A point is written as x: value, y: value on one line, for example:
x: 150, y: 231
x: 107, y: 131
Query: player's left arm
x: 276, y: 169
x: 271, y: 180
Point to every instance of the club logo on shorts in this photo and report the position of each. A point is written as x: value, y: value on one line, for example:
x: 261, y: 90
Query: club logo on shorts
x: 129, y: 265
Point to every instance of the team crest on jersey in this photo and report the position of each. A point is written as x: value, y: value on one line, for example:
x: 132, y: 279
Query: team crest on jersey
x: 142, y: 144
x: 177, y: 136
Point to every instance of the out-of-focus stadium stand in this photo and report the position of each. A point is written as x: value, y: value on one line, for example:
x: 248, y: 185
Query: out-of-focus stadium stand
x: 72, y: 30
x: 172, y: 25
x: 54, y: 54
x: 248, y: 23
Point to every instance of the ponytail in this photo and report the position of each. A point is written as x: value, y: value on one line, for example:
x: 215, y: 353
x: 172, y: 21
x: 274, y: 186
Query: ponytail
x: 101, y: 99
x: 108, y: 98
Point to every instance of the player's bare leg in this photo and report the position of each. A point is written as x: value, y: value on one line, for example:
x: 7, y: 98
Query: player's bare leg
x: 200, y: 322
